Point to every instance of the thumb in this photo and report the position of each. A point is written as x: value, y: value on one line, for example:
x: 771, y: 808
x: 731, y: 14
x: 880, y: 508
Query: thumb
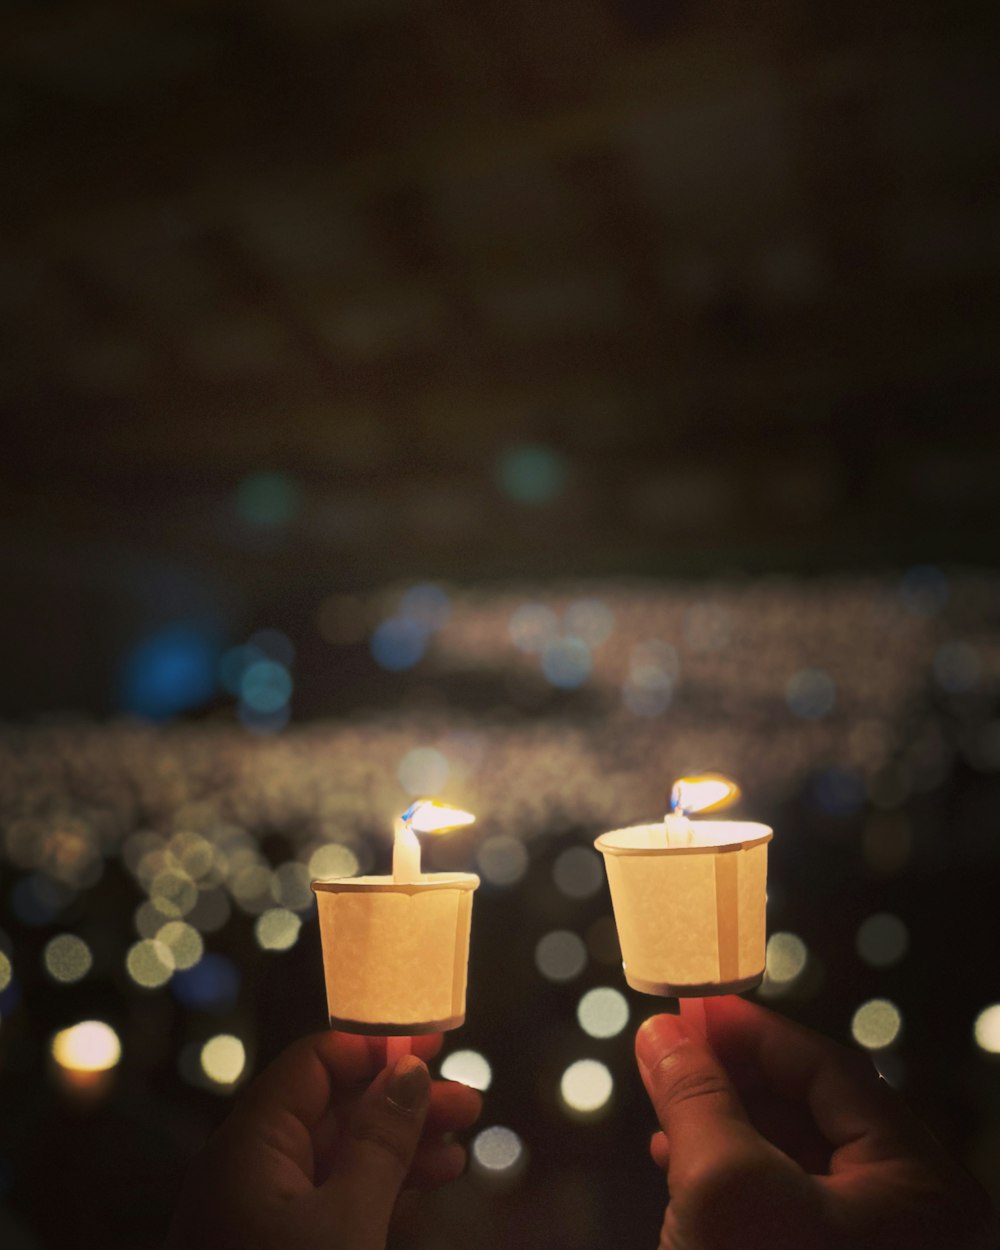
x: 377, y: 1151
x: 695, y: 1102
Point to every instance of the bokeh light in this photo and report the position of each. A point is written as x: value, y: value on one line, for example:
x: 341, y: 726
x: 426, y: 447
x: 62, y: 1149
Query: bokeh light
x: 532, y: 474
x: 277, y: 929
x: 427, y: 604
x: 497, y: 1149
x: 586, y: 1086
x: 332, y: 860
x: 468, y: 1067
x: 67, y: 958
x: 560, y: 955
x: 502, y: 860
x: 150, y: 963
x: 183, y: 941
x: 223, y: 1059
x: 876, y: 1024
x: 578, y: 872
x: 423, y: 770
x: 90, y: 1046
x: 213, y: 984
x: 170, y: 671
x: 986, y: 1029
x: 566, y: 662
x: 786, y: 957
x: 398, y: 643
x: 882, y: 940
x: 266, y: 686
x: 6, y: 972
x: 290, y: 886
x: 602, y: 1012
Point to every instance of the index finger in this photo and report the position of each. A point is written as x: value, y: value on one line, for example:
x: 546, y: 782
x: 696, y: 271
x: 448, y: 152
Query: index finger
x: 306, y: 1075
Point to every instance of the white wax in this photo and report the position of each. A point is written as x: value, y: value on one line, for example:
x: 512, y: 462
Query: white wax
x: 405, y: 855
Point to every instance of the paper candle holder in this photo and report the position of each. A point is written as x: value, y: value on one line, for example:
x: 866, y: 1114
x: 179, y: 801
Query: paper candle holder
x: 396, y: 954
x: 691, y: 918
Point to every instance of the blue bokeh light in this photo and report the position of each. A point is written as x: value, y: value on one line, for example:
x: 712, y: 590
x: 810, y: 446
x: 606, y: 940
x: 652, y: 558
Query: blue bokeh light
x: 427, y: 604
x: 213, y: 984
x: 398, y: 643
x: 170, y: 671
x: 566, y: 662
x: 266, y: 686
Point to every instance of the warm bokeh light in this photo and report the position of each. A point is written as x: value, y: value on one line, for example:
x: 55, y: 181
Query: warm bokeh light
x: 277, y: 929
x: 497, y: 1149
x: 67, y: 958
x: 882, y: 940
x: 586, y: 1086
x: 423, y: 770
x: 150, y: 963
x: 986, y: 1029
x: 468, y: 1067
x: 6, y: 972
x: 223, y: 1059
x: 876, y: 1024
x: 331, y: 861
x: 560, y: 955
x: 786, y: 959
x: 183, y: 941
x: 90, y: 1046
x: 603, y: 1012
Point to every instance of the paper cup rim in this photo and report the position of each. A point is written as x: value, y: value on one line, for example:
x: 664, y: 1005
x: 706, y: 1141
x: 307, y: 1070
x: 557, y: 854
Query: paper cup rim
x: 763, y: 833
x: 386, y: 885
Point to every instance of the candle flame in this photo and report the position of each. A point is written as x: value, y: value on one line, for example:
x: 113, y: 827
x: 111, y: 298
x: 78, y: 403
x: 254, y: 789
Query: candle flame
x: 429, y: 816
x: 706, y: 792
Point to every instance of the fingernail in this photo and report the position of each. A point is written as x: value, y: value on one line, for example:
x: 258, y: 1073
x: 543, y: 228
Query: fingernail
x: 657, y: 1037
x: 409, y: 1085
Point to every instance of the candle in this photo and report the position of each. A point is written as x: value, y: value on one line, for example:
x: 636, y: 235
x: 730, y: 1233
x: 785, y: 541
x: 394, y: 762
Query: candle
x: 689, y: 895
x: 396, y: 948
x: 423, y: 816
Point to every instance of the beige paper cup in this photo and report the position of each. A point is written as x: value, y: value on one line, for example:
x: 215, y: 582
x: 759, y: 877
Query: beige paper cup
x: 395, y: 955
x: 691, y: 919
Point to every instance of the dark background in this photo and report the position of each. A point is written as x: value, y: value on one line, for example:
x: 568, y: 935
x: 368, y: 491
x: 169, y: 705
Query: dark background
x: 688, y: 308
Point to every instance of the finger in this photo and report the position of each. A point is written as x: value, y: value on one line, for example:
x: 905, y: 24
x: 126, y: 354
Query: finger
x: 377, y: 1151
x: 290, y: 1100
x: 437, y: 1163
x: 695, y: 1103
x: 452, y: 1107
x: 852, y: 1107
x: 659, y: 1151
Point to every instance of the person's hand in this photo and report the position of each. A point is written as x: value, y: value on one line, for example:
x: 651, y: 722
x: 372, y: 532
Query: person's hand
x: 315, y: 1152
x: 775, y: 1138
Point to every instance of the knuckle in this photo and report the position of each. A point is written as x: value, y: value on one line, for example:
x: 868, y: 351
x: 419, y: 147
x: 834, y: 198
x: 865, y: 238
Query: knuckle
x: 679, y: 1085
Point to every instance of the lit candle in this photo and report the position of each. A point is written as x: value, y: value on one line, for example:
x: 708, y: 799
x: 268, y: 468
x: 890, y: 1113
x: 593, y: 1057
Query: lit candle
x: 396, y: 948
x: 424, y: 816
x: 689, y: 895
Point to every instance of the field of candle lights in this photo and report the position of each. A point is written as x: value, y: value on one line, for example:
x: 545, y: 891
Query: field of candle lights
x: 155, y: 877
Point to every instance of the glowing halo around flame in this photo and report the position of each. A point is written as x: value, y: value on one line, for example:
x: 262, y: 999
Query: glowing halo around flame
x: 704, y: 792
x: 429, y: 816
